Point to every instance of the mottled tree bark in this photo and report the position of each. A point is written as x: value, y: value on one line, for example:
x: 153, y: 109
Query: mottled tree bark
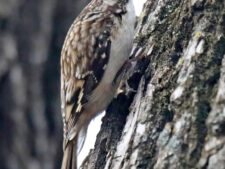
x: 176, y: 117
x: 31, y: 37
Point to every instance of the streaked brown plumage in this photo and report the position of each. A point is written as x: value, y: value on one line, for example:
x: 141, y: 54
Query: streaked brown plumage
x: 96, y: 46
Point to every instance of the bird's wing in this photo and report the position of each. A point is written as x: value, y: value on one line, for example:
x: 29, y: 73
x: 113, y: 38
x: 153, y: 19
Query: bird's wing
x: 83, y: 59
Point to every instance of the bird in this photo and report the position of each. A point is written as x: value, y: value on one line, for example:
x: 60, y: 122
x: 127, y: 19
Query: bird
x: 95, y: 49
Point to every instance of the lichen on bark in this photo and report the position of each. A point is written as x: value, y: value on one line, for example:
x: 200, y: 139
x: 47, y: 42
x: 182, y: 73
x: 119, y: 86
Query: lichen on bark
x: 176, y: 118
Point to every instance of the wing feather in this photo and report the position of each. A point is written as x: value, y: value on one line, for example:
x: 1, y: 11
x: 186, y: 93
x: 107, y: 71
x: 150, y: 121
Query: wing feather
x: 84, y: 58
x: 81, y: 71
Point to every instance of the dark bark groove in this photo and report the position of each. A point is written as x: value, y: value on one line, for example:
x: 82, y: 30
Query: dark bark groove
x: 173, y: 120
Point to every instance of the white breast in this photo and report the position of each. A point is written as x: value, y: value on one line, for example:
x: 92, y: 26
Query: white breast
x: 120, y: 50
x: 121, y: 44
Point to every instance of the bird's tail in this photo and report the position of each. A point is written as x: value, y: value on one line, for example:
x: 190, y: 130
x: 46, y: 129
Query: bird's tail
x: 72, y: 149
x: 70, y: 156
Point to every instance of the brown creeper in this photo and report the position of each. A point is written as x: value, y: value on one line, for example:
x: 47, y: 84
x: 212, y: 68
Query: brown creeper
x: 96, y: 46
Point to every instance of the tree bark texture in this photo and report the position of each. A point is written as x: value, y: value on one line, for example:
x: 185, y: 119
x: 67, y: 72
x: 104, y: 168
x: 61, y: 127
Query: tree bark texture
x: 176, y: 117
x: 31, y: 37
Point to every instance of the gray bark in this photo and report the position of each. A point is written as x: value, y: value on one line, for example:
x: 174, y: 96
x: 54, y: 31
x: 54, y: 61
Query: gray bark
x: 176, y: 117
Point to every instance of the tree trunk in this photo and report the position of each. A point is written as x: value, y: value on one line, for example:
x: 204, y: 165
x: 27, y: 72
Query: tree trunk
x: 176, y: 117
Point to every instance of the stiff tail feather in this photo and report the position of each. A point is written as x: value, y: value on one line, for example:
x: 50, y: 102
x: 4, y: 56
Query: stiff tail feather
x: 72, y: 150
x: 70, y: 156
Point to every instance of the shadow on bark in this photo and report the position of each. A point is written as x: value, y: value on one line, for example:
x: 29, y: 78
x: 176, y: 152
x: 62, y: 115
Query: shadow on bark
x: 176, y: 117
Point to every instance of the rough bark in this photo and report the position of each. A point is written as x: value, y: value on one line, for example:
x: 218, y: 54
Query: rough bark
x: 31, y: 37
x: 176, y: 117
